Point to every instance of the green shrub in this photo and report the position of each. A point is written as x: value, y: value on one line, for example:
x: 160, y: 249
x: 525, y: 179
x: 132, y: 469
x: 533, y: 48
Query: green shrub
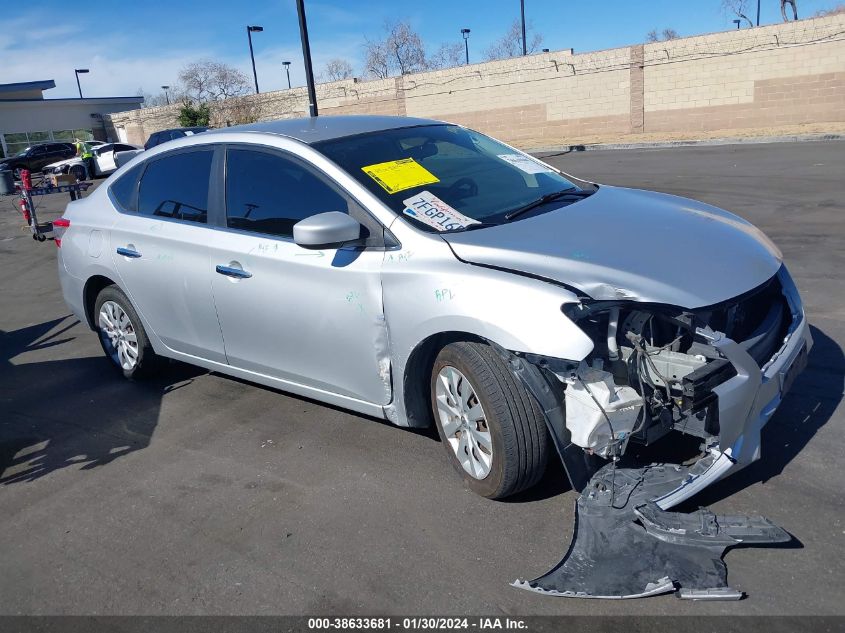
x: 190, y: 116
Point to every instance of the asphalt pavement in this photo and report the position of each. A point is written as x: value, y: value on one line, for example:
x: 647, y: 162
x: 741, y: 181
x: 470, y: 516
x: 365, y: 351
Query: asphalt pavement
x: 195, y: 493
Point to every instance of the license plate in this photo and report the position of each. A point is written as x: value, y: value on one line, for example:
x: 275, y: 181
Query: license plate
x: 798, y: 365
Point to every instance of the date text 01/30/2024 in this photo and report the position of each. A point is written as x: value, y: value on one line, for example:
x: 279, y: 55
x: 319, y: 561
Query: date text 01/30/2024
x: 416, y: 623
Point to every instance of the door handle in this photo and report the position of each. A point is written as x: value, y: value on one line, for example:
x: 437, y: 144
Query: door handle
x: 128, y: 252
x: 237, y: 273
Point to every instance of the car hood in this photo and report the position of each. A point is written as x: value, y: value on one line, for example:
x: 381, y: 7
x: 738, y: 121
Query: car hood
x: 631, y: 244
x: 62, y: 163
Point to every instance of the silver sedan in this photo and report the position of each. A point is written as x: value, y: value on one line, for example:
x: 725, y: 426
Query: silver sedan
x: 427, y: 274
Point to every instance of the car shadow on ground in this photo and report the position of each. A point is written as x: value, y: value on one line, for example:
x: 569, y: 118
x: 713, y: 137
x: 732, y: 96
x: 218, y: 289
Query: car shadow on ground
x: 74, y: 412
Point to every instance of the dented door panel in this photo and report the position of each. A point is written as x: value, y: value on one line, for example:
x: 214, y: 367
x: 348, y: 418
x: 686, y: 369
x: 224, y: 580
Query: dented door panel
x: 311, y: 317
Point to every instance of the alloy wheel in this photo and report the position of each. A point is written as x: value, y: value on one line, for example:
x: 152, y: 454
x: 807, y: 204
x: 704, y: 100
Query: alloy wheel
x: 464, y: 422
x: 118, y: 335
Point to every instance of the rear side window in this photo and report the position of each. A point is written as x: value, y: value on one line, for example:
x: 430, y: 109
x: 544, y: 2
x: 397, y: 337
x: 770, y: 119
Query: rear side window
x: 123, y: 191
x: 176, y: 186
x: 268, y: 193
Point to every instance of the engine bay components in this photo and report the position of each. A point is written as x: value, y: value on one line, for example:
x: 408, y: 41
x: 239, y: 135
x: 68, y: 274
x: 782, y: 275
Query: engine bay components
x: 599, y: 413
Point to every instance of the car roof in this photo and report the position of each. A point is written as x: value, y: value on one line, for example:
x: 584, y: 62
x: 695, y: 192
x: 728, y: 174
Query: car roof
x: 324, y: 128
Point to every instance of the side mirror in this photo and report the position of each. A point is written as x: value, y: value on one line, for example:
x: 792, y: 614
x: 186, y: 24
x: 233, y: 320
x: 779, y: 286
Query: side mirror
x: 326, y: 229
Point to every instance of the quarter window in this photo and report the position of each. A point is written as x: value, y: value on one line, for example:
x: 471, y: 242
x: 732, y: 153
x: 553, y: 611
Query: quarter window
x: 267, y: 193
x: 176, y: 186
x: 124, y: 189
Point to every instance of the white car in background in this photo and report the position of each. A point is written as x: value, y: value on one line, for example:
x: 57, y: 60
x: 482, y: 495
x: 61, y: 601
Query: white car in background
x: 106, y: 161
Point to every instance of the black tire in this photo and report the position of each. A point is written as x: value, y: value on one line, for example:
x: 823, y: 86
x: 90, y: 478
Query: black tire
x: 147, y: 360
x: 520, y: 442
x: 79, y: 172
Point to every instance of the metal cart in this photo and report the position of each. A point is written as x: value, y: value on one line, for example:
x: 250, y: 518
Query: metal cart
x: 28, y: 210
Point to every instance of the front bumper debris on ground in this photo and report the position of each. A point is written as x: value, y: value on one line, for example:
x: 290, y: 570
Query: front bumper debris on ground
x: 626, y: 546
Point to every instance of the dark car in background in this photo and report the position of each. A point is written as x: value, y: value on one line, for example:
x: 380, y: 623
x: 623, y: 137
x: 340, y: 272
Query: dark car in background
x: 35, y: 157
x: 157, y: 138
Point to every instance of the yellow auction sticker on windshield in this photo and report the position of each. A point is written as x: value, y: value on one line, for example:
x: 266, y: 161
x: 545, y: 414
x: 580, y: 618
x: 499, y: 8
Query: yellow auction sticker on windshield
x: 398, y: 175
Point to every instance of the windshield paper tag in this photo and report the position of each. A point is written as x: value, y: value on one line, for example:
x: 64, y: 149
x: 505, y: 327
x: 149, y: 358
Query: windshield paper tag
x: 398, y: 175
x: 431, y: 210
x: 525, y: 163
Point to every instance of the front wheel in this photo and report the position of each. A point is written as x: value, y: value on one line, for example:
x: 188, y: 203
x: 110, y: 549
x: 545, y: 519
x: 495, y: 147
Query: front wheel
x: 79, y: 172
x: 493, y: 430
x: 121, y: 334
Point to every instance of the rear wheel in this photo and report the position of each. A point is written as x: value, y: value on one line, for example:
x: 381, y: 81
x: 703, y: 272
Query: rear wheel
x: 493, y: 430
x: 121, y: 334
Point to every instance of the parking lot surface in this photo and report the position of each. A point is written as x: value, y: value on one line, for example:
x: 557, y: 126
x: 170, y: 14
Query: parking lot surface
x: 196, y: 493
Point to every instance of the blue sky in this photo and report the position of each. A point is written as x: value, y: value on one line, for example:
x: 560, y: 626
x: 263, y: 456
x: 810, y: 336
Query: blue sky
x: 142, y: 44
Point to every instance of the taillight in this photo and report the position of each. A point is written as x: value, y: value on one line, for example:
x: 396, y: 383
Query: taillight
x: 60, y: 225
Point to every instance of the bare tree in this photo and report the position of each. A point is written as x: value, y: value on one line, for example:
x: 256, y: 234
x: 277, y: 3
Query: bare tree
x: 236, y: 111
x: 400, y: 51
x: 839, y: 8
x: 447, y: 56
x: 663, y: 36
x: 154, y: 101
x: 337, y: 69
x: 738, y: 8
x: 208, y: 80
x: 510, y: 44
x: 783, y: 4
x: 376, y: 62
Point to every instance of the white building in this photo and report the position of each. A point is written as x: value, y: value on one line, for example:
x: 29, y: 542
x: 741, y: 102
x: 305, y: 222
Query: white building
x: 26, y: 117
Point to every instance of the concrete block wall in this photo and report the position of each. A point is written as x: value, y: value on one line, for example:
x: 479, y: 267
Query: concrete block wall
x: 770, y: 76
x: 745, y: 79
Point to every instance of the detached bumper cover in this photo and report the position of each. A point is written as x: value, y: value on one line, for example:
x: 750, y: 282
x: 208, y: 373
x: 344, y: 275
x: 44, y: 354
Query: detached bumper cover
x: 627, y: 547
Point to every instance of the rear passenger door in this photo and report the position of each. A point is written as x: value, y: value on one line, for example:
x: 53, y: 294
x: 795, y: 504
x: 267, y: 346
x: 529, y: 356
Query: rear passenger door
x: 308, y: 317
x: 159, y: 248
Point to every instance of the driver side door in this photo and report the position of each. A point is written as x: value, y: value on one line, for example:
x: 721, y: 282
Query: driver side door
x: 104, y: 158
x: 37, y: 158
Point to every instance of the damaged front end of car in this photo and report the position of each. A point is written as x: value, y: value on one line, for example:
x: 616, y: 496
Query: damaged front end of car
x: 716, y: 374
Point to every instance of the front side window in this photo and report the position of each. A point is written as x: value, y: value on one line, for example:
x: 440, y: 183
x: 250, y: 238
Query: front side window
x: 267, y: 193
x: 470, y: 175
x: 176, y: 186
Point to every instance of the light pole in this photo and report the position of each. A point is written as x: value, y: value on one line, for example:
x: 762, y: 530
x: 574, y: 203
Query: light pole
x: 306, y: 54
x: 758, y: 12
x: 78, y: 85
x: 287, y: 70
x: 522, y: 13
x: 465, y: 33
x: 166, y: 96
x: 249, y: 31
x: 737, y: 22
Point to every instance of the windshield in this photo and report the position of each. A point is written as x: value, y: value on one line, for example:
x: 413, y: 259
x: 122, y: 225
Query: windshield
x: 23, y: 152
x: 444, y: 177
